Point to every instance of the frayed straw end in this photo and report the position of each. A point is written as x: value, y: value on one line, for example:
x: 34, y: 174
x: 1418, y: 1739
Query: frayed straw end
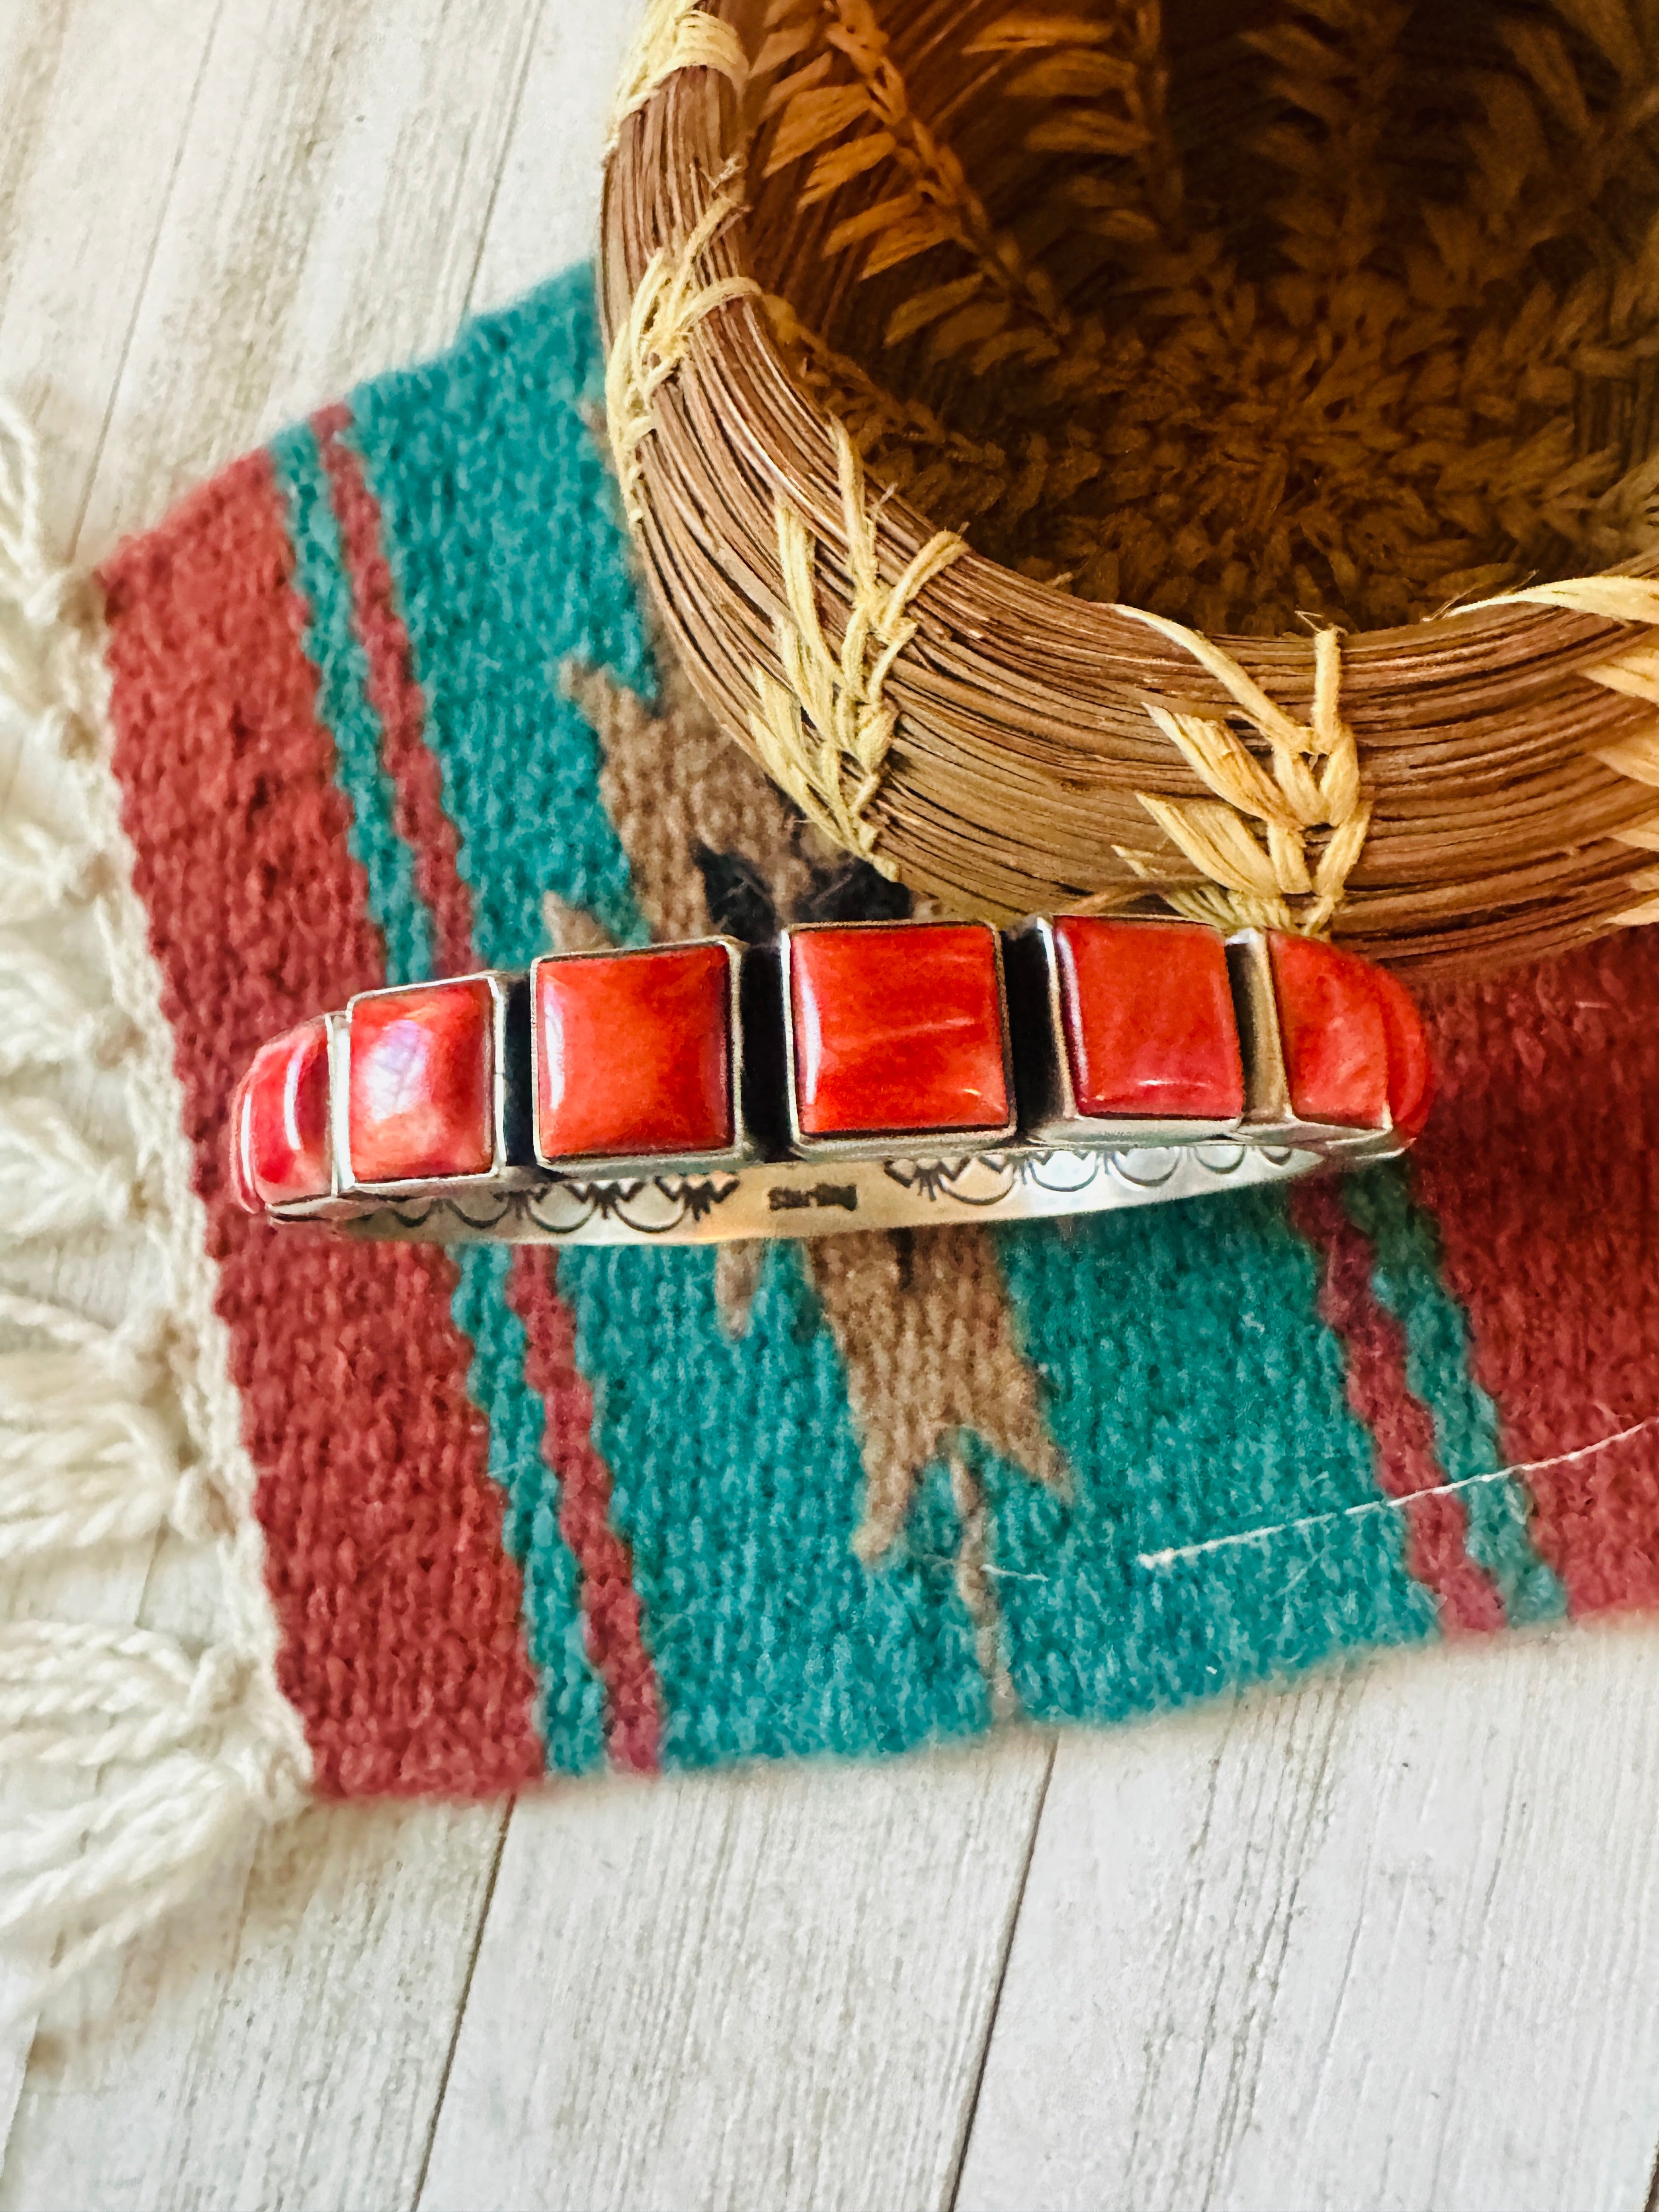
x: 677, y: 34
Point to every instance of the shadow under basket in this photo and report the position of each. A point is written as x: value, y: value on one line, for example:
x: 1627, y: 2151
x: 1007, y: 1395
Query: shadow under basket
x: 1203, y: 458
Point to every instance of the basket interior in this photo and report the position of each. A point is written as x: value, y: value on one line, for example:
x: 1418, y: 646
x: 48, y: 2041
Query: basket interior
x: 1249, y: 313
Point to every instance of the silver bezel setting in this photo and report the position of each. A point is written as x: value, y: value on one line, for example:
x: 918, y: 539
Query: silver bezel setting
x: 334, y: 1205
x: 1057, y: 1120
x: 601, y: 1167
x: 776, y: 1179
x: 1269, y: 1116
x: 950, y: 1141
x: 501, y: 1174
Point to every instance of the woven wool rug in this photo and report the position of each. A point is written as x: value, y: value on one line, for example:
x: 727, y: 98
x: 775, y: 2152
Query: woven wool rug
x: 381, y: 703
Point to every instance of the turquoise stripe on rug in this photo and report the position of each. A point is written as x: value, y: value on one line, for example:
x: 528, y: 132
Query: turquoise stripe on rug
x: 770, y: 1637
x: 501, y: 528
x: 1407, y: 1281
x: 571, y: 1699
x: 342, y: 706
x: 1186, y: 1368
x: 572, y: 1713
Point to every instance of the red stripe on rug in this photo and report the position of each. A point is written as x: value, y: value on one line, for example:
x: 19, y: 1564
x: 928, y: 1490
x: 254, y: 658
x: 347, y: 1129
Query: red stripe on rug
x: 1401, y: 1426
x: 418, y: 814
x: 614, y: 1639
x: 399, y: 1607
x: 615, y: 1642
x: 1541, y: 1165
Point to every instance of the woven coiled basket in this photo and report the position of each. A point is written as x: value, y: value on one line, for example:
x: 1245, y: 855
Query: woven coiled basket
x: 1206, y: 459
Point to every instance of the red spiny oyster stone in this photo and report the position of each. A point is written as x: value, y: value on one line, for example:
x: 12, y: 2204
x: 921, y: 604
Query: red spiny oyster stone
x: 633, y: 1052
x: 1354, y: 1049
x: 898, y: 1028
x: 422, y: 1064
x: 1411, y: 1071
x: 1148, y: 1017
x: 279, y: 1147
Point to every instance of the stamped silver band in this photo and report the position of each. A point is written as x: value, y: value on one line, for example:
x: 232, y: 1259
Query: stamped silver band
x: 501, y: 1108
x: 812, y: 1198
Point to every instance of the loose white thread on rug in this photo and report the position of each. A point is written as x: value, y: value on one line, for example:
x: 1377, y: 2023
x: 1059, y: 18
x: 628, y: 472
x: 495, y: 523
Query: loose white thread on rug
x: 1518, y: 1473
x: 109, y: 1436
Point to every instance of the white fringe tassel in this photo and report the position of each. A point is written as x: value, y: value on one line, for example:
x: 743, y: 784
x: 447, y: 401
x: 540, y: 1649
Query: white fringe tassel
x: 172, y: 1752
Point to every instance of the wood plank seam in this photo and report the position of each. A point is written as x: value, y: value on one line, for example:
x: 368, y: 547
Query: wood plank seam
x: 481, y: 1921
x: 96, y: 458
x: 1016, y: 1905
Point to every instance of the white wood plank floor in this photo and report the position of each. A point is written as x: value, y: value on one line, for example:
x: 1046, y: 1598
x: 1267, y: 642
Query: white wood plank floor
x: 1391, y: 1941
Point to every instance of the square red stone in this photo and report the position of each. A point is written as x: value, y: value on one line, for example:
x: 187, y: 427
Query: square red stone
x: 1355, y: 1054
x: 1148, y: 1013
x: 423, y: 1069
x: 897, y: 1027
x: 280, y: 1150
x: 1330, y: 1023
x: 633, y: 1054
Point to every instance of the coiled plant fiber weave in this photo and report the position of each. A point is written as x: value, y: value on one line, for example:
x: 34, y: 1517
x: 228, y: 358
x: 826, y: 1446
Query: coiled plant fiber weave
x: 1239, y: 408
x: 384, y: 706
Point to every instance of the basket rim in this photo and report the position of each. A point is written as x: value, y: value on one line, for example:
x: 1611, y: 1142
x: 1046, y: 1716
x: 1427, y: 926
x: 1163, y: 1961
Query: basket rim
x: 682, y: 146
